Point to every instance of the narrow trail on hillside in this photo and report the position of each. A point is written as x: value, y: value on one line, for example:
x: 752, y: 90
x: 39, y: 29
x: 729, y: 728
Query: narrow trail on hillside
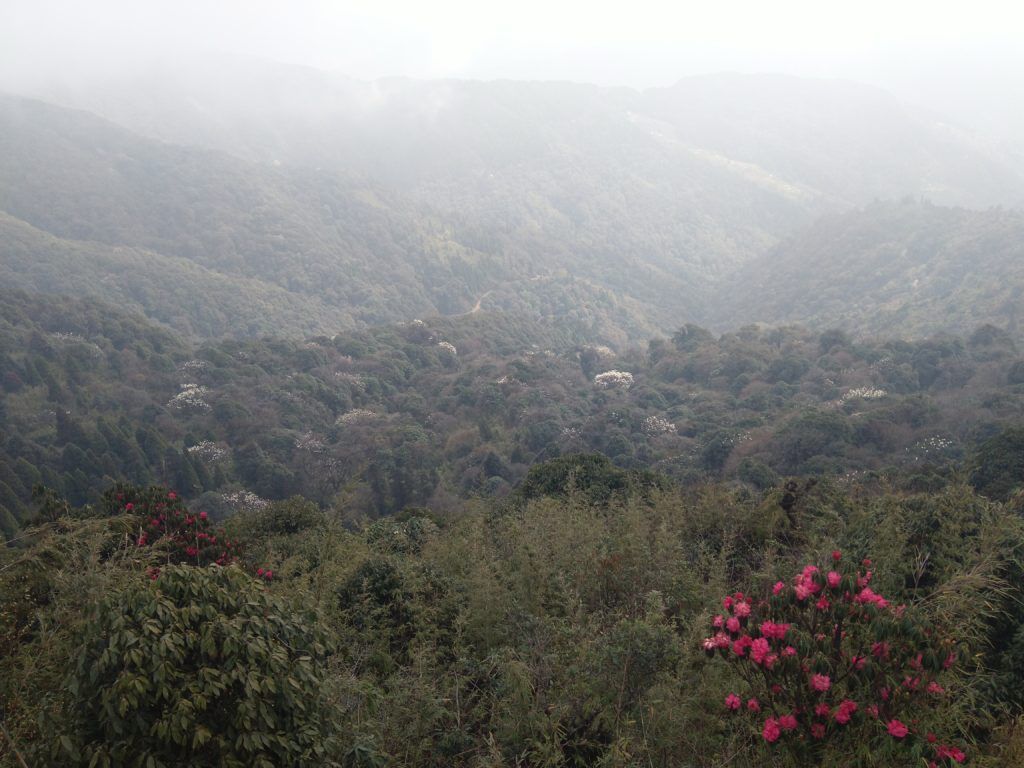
x: 476, y: 307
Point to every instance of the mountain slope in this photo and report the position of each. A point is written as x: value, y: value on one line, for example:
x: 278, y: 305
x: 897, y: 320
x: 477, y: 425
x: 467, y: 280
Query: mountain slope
x: 373, y: 253
x: 190, y: 298
x: 851, y: 142
x: 913, y: 266
x: 338, y: 239
x: 615, y: 211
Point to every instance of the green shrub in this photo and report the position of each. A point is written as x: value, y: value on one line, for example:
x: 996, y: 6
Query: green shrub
x: 201, y: 666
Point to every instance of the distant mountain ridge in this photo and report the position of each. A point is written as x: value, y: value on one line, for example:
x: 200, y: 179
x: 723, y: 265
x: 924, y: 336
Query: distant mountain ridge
x: 842, y: 139
x: 621, y: 213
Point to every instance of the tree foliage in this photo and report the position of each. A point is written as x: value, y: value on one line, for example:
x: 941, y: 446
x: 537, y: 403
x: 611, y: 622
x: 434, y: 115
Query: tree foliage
x: 198, y: 667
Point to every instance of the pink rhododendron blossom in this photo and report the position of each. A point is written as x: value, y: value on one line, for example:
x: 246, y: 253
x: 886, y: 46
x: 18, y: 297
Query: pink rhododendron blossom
x: 774, y: 631
x: 732, y: 702
x: 759, y: 650
x: 833, y: 579
x: 822, y: 710
x: 777, y: 589
x: 821, y: 683
x: 845, y: 711
x: 741, y: 645
x: 742, y: 610
x: 788, y: 723
x: 733, y: 624
x: 897, y: 729
x: 771, y: 731
x: 951, y: 752
x: 866, y: 596
x: 753, y: 705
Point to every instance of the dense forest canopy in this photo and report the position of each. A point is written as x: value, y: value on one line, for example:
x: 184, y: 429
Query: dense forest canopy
x: 427, y: 413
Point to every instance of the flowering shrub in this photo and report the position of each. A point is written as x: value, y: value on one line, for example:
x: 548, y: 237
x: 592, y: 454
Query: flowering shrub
x: 187, y: 537
x: 829, y: 665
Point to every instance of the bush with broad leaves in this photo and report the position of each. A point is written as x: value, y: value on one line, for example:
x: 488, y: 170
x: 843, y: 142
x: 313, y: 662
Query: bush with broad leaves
x: 201, y: 666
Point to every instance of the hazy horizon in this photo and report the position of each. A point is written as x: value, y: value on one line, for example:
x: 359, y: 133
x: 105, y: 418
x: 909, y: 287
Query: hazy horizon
x: 965, y: 66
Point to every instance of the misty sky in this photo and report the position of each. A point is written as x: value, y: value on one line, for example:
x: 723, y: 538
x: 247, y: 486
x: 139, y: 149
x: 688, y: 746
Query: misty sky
x: 945, y: 52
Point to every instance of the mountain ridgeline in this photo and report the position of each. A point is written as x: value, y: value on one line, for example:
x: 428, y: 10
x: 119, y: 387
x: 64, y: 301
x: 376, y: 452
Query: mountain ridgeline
x: 330, y: 204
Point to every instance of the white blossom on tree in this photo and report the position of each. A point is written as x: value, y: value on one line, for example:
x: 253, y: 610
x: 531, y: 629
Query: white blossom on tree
x: 355, y: 416
x: 657, y: 425
x: 863, y: 393
x: 243, y: 499
x: 192, y: 396
x: 614, y: 380
x: 208, y: 451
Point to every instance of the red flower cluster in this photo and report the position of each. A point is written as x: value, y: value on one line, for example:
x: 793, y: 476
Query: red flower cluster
x: 187, y: 537
x: 825, y: 654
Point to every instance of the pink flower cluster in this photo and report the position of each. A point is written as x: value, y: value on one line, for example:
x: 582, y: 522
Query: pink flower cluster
x: 838, y: 677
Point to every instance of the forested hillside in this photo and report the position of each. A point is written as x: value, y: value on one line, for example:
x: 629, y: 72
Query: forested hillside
x: 618, y: 211
x: 908, y: 265
x: 431, y: 413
